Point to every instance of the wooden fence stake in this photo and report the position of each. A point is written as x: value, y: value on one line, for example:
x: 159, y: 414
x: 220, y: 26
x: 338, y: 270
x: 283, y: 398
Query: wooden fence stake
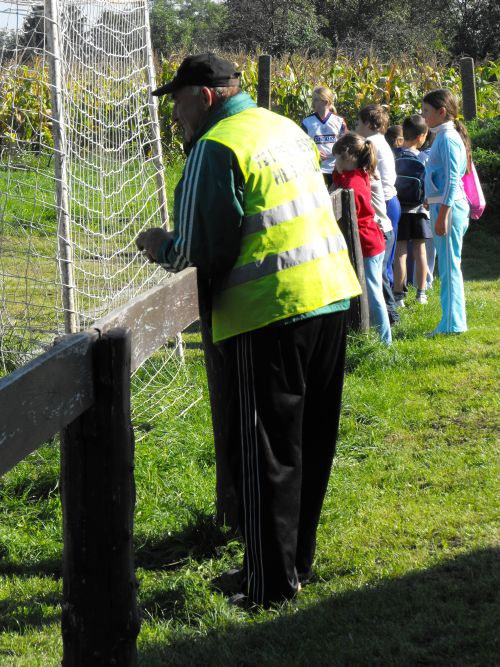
x: 359, y: 317
x: 468, y: 88
x: 100, y: 619
x: 264, y: 82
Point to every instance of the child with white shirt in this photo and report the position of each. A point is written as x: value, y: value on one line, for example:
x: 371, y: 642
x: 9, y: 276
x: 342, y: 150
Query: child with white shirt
x: 372, y: 124
x: 324, y: 127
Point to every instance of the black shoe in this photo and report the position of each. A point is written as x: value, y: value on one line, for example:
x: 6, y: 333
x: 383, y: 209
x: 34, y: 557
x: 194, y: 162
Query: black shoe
x: 231, y: 582
x: 241, y: 601
x: 244, y: 602
x: 305, y: 577
x: 393, y: 318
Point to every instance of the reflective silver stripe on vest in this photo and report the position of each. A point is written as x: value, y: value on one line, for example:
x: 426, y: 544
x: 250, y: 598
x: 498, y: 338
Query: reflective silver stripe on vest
x: 285, y: 260
x: 302, y: 205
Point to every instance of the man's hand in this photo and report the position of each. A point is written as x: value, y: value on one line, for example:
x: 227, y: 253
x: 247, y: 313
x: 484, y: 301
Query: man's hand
x: 151, y: 241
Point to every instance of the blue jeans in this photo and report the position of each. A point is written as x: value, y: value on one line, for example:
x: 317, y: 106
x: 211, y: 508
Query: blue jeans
x: 376, y: 303
x: 393, y: 209
x: 386, y: 285
x: 449, y: 254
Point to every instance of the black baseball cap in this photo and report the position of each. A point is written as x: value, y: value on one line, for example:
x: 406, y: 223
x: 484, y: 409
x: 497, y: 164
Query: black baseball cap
x: 205, y: 69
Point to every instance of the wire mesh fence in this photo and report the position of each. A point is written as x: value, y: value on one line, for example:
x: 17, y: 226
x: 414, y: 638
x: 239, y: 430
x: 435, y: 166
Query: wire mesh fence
x: 81, y: 175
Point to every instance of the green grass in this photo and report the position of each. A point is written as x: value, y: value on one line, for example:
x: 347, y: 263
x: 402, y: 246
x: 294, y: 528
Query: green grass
x: 407, y: 562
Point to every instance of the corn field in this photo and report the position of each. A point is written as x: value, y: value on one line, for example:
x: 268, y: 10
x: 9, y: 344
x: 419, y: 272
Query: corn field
x: 356, y: 82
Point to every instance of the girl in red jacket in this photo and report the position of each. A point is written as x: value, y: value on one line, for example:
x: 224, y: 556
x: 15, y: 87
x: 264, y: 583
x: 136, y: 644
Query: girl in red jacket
x: 355, y: 161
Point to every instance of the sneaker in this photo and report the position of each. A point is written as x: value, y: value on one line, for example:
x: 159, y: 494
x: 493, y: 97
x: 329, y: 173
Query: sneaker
x: 421, y: 297
x: 399, y: 299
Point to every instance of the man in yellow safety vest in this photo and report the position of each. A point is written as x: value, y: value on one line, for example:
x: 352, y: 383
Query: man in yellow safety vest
x: 252, y: 213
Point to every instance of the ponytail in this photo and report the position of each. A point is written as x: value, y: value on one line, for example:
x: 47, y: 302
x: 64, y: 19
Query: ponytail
x: 361, y: 150
x: 464, y: 135
x: 368, y: 158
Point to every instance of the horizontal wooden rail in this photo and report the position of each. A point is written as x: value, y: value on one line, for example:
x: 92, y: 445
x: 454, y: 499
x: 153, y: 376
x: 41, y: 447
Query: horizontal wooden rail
x: 157, y: 315
x: 44, y: 396
x: 41, y: 398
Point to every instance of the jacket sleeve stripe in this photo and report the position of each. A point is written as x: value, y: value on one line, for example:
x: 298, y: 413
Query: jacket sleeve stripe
x: 187, y: 205
x: 191, y: 211
x: 447, y: 173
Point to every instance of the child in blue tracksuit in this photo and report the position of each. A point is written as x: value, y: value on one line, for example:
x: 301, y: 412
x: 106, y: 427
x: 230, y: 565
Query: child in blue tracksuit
x: 448, y: 161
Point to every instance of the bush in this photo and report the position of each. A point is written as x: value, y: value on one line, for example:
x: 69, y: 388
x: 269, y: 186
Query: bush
x: 485, y: 139
x: 485, y: 134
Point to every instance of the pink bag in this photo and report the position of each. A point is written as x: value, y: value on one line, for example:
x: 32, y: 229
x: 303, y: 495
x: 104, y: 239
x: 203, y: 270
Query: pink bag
x: 474, y: 193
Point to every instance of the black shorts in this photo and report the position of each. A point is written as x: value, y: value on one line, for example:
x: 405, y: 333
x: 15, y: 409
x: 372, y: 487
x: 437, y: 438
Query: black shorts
x: 413, y: 226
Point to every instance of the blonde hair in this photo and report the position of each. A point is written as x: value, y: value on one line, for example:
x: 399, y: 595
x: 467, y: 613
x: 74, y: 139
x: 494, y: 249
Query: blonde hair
x: 359, y: 149
x: 326, y: 95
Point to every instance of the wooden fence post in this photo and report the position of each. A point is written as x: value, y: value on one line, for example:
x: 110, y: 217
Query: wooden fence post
x: 264, y: 82
x: 359, y: 317
x: 468, y: 88
x: 100, y: 620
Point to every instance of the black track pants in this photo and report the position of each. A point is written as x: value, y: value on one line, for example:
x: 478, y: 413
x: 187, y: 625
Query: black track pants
x: 283, y: 389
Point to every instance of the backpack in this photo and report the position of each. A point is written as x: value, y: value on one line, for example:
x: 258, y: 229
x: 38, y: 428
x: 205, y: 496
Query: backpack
x: 410, y: 174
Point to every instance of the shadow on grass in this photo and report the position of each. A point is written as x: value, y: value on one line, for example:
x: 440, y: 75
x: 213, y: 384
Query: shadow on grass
x: 34, y: 611
x: 200, y: 539
x: 51, y: 567
x: 447, y: 615
x: 191, y: 345
x: 40, y: 485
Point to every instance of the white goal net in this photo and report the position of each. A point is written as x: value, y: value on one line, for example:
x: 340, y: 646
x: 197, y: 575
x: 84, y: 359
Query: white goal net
x: 81, y: 175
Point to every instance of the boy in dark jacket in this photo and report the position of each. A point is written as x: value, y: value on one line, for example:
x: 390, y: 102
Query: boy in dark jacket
x: 414, y: 222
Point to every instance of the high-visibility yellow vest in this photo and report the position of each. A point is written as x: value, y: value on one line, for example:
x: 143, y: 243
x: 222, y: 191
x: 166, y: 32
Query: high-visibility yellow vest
x: 293, y: 257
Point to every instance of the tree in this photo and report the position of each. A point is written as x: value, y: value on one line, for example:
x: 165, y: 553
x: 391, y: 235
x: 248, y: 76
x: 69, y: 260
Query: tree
x: 273, y: 25
x: 189, y: 25
x: 73, y: 27
x: 7, y: 44
x: 114, y: 34
x: 394, y: 27
x: 477, y: 33
x: 33, y: 30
